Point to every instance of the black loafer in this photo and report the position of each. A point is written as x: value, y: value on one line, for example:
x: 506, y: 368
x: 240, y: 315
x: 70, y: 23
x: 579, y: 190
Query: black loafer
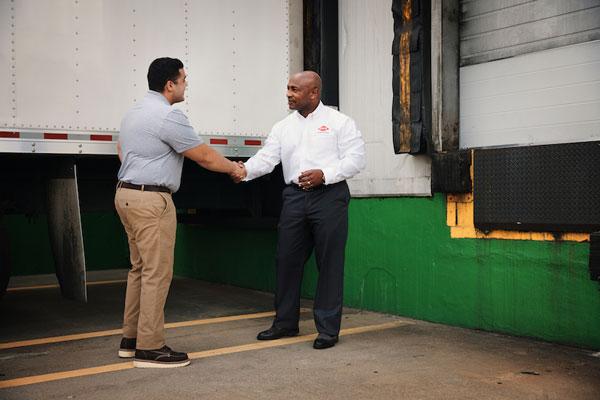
x: 276, y: 333
x: 324, y: 342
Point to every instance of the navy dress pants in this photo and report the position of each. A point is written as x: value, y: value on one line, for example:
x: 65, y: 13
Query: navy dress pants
x: 315, y: 219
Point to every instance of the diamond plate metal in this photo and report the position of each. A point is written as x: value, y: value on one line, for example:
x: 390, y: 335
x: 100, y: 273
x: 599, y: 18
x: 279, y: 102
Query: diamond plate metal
x: 553, y: 188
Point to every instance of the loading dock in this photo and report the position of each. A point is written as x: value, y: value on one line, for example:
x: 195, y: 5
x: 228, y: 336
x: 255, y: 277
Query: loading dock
x: 414, y: 250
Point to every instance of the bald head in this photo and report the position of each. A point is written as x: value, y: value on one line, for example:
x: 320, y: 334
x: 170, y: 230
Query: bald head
x: 304, y: 92
x: 309, y: 78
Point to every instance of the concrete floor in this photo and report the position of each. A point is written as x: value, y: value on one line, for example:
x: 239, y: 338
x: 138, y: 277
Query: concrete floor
x: 411, y: 360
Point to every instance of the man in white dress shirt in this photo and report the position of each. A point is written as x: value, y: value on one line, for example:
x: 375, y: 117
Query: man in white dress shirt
x: 319, y: 149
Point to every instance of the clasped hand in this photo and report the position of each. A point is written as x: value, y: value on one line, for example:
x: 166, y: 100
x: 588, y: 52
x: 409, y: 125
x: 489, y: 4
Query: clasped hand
x: 311, y: 178
x: 238, y: 172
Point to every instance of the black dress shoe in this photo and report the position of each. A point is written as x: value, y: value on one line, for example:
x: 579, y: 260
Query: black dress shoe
x: 276, y: 333
x: 324, y: 342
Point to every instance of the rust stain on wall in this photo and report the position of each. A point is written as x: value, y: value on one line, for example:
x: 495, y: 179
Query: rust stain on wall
x: 404, y: 54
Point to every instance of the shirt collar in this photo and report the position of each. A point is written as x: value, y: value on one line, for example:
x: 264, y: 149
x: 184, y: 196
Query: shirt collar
x: 316, y: 112
x: 158, y: 96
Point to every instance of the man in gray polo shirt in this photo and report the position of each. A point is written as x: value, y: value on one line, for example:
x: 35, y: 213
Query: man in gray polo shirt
x: 153, y: 141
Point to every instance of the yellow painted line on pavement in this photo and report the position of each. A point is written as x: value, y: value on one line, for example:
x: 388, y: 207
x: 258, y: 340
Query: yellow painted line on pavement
x: 58, y: 339
x: 55, y: 285
x: 56, y: 376
x: 111, y: 332
x: 292, y: 340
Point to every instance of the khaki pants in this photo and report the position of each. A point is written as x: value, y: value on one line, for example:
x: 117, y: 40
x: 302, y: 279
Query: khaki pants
x: 150, y: 221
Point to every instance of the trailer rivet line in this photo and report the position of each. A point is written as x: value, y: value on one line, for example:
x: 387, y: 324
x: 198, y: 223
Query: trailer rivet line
x: 13, y: 62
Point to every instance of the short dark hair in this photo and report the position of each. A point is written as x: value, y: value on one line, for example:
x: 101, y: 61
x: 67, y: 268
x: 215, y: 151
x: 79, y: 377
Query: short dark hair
x: 161, y: 71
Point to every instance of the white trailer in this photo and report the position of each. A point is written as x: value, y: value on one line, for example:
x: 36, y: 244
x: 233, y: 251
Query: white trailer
x: 71, y: 68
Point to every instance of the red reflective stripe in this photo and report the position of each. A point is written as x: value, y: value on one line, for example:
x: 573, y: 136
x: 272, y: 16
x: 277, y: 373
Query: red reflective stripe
x: 60, y: 136
x: 218, y: 141
x: 105, y: 138
x: 4, y: 134
x: 250, y: 142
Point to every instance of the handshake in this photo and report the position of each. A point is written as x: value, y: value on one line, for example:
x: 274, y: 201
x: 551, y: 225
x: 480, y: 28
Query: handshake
x: 238, y: 171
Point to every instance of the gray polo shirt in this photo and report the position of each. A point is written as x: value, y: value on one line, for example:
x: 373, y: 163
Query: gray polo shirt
x: 153, y: 135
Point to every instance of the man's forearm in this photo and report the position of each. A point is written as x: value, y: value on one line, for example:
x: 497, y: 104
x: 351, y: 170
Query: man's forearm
x: 214, y: 161
x: 209, y: 158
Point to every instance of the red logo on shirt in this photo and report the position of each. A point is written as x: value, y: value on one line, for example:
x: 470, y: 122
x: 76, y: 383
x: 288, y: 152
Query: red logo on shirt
x: 323, y: 128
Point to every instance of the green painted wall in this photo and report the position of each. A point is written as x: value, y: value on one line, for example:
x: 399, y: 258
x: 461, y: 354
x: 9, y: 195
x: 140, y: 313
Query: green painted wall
x: 29, y: 246
x: 104, y: 241
x: 242, y: 257
x: 400, y: 260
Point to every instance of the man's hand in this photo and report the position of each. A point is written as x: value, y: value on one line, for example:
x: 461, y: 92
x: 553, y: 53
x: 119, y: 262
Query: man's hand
x: 311, y: 178
x: 238, y: 172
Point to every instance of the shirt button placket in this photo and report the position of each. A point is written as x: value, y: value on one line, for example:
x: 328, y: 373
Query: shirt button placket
x: 303, y: 146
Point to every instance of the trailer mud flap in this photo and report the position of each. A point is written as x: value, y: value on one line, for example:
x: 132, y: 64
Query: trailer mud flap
x: 64, y: 228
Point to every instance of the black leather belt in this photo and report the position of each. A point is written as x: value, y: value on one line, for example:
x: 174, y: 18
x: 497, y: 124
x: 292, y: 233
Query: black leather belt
x: 143, y: 188
x: 298, y: 187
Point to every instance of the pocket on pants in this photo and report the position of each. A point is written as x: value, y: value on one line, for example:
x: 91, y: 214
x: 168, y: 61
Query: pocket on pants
x: 126, y: 203
x: 125, y: 206
x: 167, y: 202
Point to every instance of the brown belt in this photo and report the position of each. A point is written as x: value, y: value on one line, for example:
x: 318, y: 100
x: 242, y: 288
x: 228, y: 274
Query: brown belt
x: 143, y: 188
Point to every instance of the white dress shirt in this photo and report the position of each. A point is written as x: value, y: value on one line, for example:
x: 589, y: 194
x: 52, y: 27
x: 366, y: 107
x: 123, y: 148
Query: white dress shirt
x: 326, y: 139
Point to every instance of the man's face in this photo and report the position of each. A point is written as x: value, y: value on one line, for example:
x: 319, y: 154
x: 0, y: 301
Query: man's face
x: 298, y: 94
x: 179, y: 86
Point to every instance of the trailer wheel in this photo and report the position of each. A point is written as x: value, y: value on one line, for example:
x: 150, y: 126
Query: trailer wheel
x: 4, y: 259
